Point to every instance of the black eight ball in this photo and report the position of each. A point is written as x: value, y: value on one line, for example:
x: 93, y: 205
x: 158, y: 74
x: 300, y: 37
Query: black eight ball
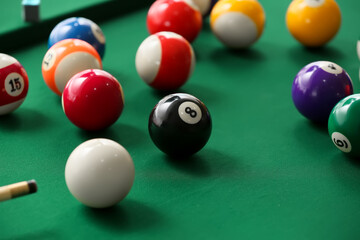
x: 180, y: 125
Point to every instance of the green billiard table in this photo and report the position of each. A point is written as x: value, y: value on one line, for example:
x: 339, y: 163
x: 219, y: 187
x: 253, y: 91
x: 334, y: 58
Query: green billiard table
x: 266, y: 172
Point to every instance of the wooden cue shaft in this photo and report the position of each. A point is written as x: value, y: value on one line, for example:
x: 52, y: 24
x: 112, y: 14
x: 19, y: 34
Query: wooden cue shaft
x: 17, y: 190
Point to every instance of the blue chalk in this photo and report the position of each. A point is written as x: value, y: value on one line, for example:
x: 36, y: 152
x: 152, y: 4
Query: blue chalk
x: 31, y: 2
x: 31, y: 10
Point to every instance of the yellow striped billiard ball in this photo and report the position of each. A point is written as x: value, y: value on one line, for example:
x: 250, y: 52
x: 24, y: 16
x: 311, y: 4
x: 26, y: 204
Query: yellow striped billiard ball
x: 237, y: 23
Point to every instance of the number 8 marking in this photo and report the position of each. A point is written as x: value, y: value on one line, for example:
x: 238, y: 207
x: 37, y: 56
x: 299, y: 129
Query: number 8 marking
x: 189, y: 112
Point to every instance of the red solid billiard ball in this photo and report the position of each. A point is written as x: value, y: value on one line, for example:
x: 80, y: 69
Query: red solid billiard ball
x: 180, y: 16
x: 14, y: 84
x: 93, y: 99
x: 165, y: 60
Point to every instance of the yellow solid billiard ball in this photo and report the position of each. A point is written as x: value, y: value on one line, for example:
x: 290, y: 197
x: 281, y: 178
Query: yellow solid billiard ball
x: 313, y: 22
x: 237, y: 23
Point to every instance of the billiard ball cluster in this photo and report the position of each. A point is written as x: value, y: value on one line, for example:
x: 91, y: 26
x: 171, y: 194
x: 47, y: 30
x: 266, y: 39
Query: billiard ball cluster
x: 237, y: 24
x: 180, y: 124
x: 100, y: 172
x: 72, y: 68
x: 75, y: 44
x: 165, y: 60
x: 323, y: 92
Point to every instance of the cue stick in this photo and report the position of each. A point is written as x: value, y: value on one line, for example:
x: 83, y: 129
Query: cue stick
x: 17, y: 190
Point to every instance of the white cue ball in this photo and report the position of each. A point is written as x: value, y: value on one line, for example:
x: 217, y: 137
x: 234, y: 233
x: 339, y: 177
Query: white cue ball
x: 99, y: 173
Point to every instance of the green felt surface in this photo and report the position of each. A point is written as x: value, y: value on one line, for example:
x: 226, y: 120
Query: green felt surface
x: 266, y: 172
x: 11, y: 11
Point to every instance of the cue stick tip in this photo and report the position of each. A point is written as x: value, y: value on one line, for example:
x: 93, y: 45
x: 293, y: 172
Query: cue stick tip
x: 32, y: 186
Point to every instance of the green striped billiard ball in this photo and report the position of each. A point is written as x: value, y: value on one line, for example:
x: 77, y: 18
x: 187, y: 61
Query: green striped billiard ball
x: 344, y: 125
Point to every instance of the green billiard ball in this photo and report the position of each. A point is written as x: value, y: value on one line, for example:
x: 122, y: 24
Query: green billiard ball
x: 344, y: 125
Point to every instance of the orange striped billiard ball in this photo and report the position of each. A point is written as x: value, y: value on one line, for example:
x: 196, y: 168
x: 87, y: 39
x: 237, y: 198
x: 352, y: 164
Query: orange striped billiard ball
x: 65, y: 59
x: 313, y: 22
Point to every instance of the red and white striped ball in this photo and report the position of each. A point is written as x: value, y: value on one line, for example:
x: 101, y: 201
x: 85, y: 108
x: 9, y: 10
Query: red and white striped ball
x: 165, y: 60
x: 14, y: 84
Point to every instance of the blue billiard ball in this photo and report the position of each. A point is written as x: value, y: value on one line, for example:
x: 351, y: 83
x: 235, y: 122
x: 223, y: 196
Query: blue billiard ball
x: 79, y: 28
